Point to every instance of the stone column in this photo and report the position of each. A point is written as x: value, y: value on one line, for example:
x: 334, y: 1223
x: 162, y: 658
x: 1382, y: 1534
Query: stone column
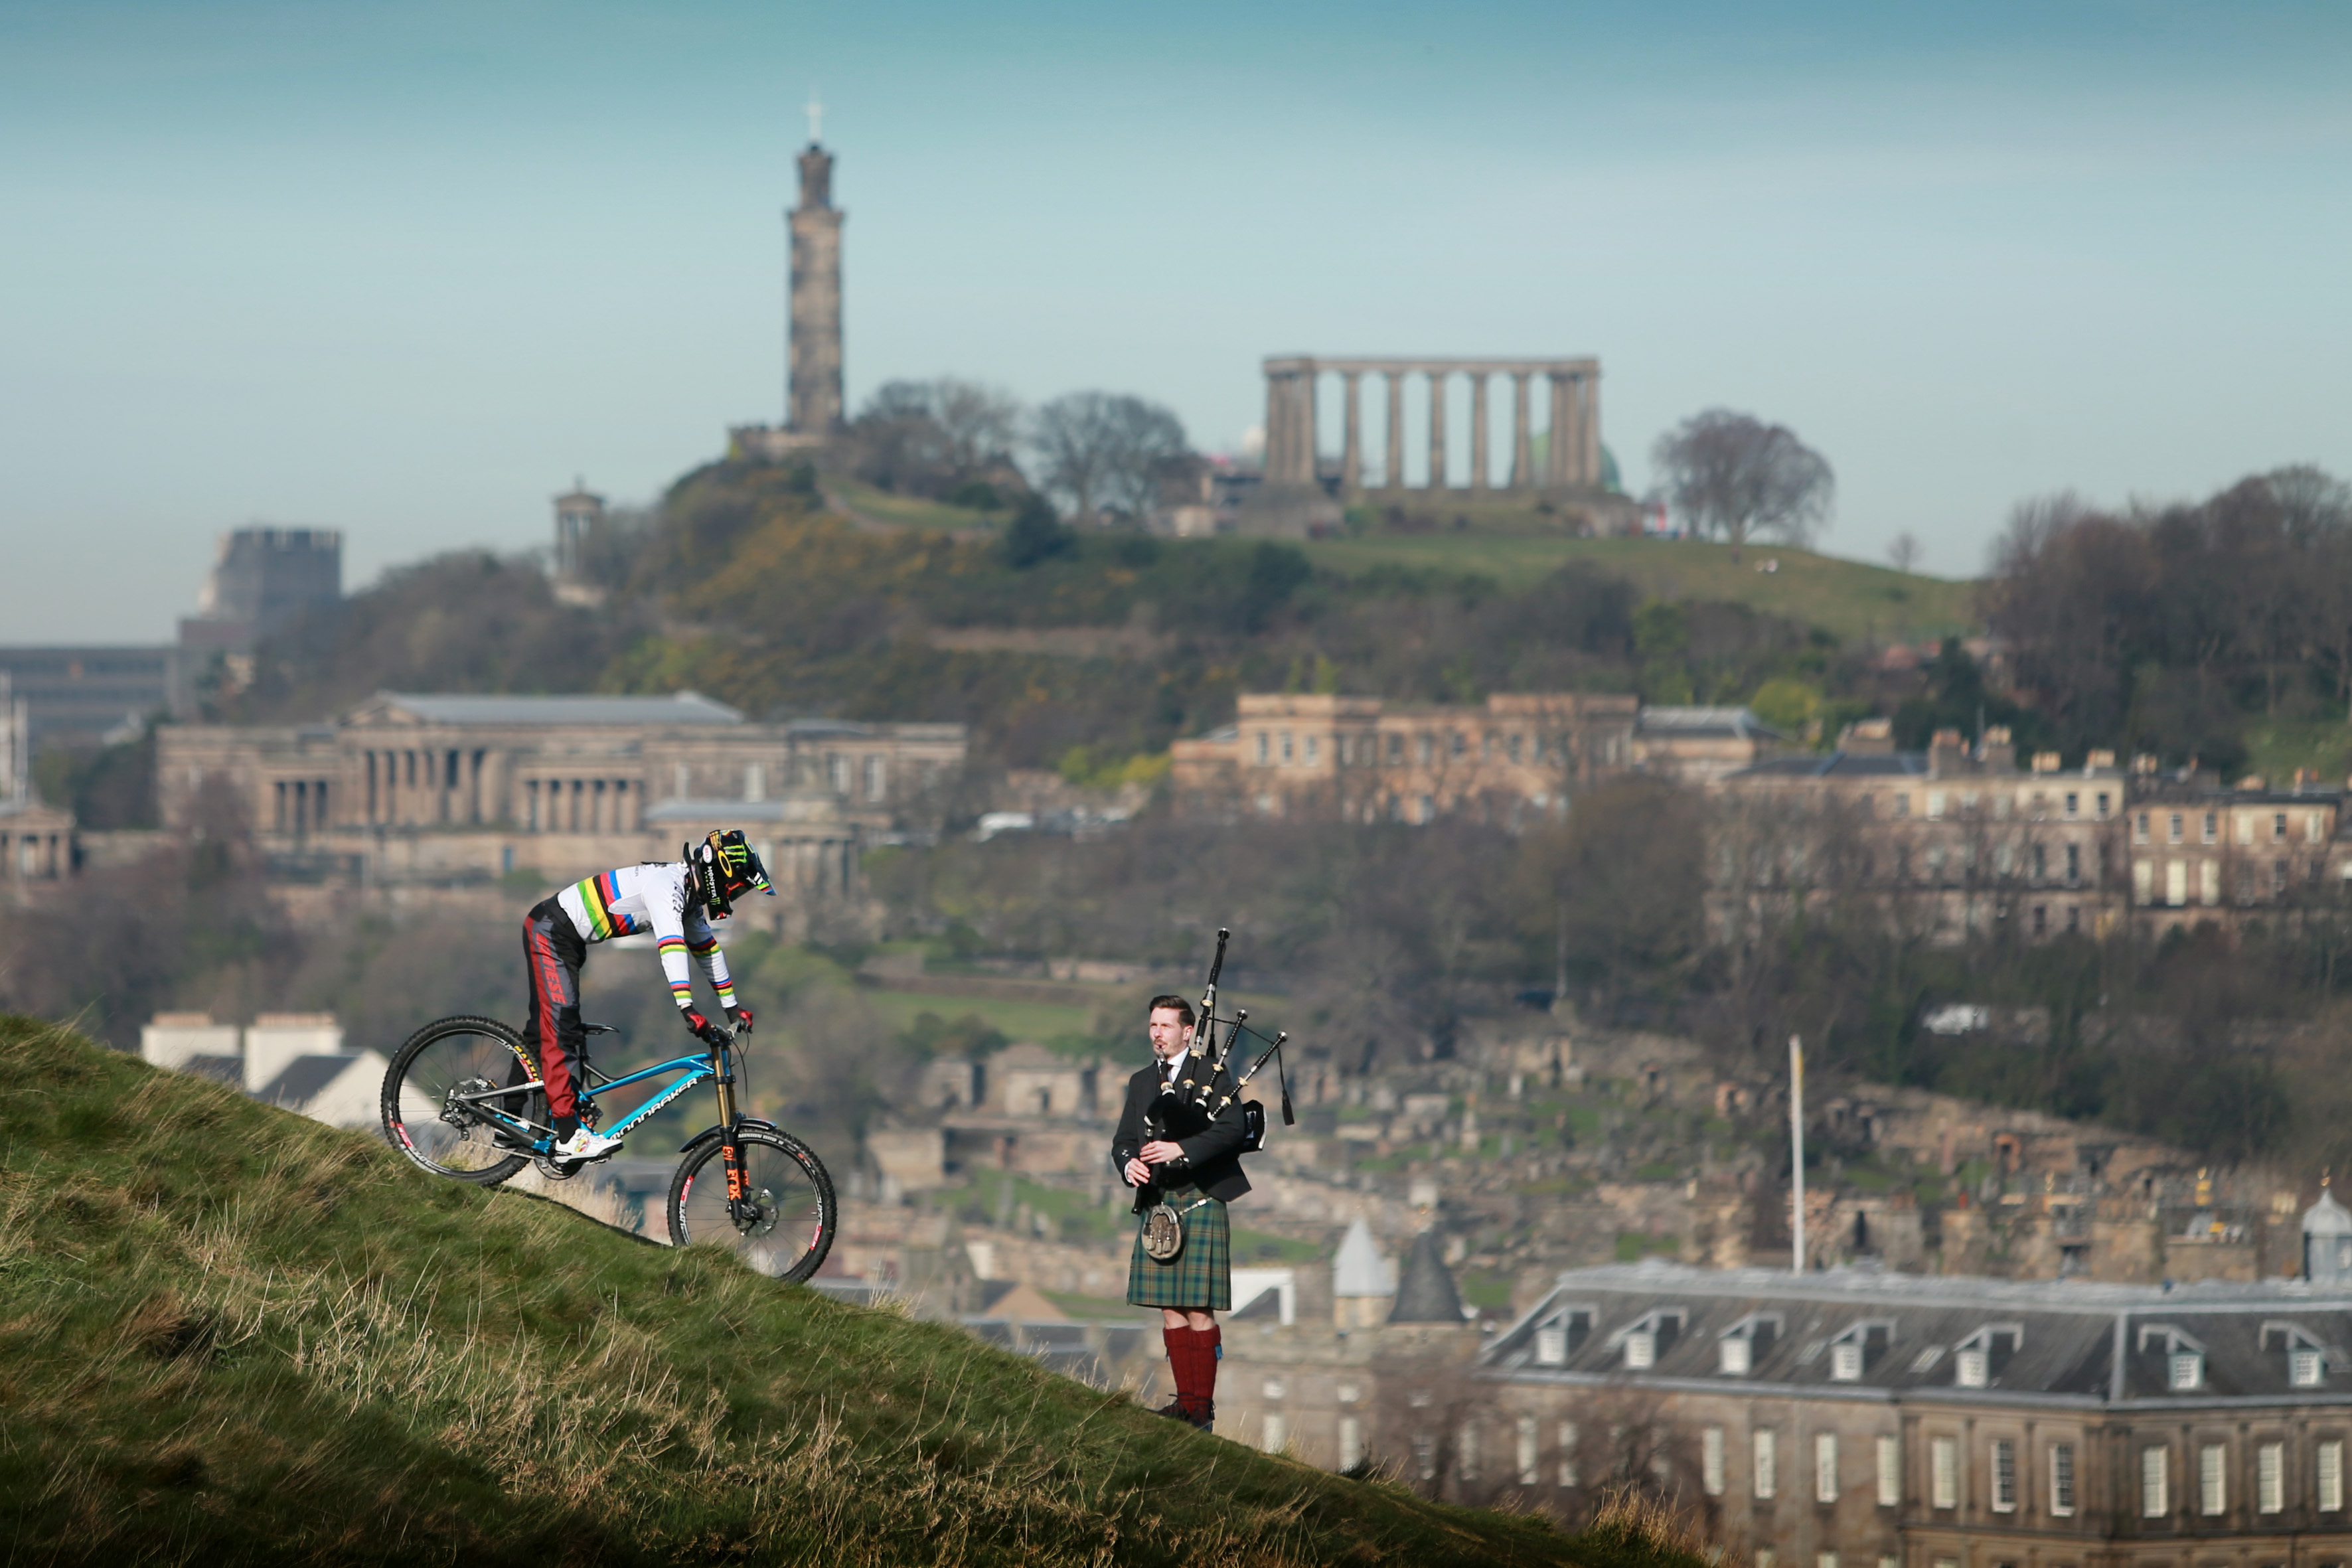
x: 1481, y: 454
x: 1437, y: 429
x: 1523, y: 477
x: 1351, y: 446
x: 1590, y: 410
x: 1558, y: 464
x: 1396, y: 430
x: 1290, y: 423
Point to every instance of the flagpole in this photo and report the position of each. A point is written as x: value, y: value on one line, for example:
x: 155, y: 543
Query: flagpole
x: 1797, y: 1149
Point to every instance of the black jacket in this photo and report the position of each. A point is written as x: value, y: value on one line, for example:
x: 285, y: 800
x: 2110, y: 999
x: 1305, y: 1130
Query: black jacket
x: 1212, y: 1151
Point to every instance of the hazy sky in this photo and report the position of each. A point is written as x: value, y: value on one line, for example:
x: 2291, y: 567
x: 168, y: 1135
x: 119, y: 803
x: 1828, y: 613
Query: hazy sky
x: 404, y: 268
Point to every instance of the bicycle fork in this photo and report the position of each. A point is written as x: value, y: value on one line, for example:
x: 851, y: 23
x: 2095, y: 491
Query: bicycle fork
x: 730, y: 1147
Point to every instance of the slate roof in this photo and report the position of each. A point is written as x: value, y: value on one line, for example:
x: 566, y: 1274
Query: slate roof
x: 1737, y: 723
x: 1359, y: 1270
x: 677, y: 708
x: 1426, y: 1294
x: 301, y: 1080
x: 2046, y: 1340
x: 1840, y: 764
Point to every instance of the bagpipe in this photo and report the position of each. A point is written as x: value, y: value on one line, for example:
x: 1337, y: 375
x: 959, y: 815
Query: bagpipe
x: 1190, y: 1102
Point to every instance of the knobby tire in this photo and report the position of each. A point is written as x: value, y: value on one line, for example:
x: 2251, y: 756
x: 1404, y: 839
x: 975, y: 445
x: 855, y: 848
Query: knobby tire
x: 789, y: 1241
x: 436, y: 1059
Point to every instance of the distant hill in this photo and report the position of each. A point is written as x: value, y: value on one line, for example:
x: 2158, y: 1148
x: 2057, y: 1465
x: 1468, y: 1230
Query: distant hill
x: 233, y: 1335
x: 776, y: 590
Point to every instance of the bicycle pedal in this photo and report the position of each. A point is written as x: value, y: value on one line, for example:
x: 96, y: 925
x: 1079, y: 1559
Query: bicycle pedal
x: 556, y: 1169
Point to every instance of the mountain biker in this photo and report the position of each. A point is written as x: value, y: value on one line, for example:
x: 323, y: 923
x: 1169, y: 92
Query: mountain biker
x: 674, y: 899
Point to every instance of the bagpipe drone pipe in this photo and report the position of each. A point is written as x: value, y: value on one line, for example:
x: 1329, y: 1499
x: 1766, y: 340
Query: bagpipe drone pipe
x: 1192, y: 1102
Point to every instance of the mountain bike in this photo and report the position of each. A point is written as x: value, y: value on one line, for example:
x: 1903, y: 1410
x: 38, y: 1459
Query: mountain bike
x: 463, y: 1098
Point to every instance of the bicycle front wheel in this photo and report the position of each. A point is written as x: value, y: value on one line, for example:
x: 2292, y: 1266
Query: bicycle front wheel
x: 782, y: 1226
x: 437, y: 1079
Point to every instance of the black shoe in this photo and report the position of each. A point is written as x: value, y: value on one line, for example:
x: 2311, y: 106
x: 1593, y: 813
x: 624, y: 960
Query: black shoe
x: 1174, y: 1408
x: 1207, y: 1419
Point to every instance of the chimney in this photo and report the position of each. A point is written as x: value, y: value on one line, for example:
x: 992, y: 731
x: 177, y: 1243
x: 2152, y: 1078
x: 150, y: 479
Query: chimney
x: 1997, y: 753
x: 1947, y: 753
x: 1868, y: 736
x: 2046, y: 762
x: 2098, y: 760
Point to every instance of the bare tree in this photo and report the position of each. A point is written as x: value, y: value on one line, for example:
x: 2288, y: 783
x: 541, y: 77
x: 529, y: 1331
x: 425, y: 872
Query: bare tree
x: 1905, y: 551
x: 981, y: 422
x: 1105, y: 451
x: 1733, y: 475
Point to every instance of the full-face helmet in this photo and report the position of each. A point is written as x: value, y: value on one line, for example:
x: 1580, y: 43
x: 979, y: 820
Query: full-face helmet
x: 725, y: 868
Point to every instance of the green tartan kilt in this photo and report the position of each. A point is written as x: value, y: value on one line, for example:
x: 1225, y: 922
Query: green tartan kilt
x: 1200, y: 1278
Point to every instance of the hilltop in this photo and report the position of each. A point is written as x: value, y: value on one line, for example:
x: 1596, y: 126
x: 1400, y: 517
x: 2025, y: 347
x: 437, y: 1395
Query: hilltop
x: 775, y: 589
x: 231, y: 1334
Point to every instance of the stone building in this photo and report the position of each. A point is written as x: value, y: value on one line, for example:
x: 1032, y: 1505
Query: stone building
x: 1700, y: 745
x: 1950, y: 841
x: 2200, y: 852
x: 38, y: 846
x: 812, y: 389
x: 447, y: 788
x: 1362, y: 759
x: 262, y: 581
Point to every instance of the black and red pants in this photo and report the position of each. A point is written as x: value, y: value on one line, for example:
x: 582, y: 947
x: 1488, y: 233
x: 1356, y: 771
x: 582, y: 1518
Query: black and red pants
x: 554, y: 950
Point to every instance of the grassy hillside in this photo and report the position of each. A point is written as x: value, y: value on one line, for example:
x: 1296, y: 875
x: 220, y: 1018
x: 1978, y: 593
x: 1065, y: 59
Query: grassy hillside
x: 228, y: 1335
x: 1848, y: 598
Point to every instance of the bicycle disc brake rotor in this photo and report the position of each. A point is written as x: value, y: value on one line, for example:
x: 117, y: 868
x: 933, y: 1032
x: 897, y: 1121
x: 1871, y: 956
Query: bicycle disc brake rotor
x: 456, y: 1112
x: 758, y: 1214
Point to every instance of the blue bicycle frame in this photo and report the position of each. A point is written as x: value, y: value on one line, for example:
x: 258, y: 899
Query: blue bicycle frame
x: 692, y: 1070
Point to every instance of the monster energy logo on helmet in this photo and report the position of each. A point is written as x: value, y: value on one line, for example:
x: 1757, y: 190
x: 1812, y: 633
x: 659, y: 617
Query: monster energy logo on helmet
x: 725, y: 868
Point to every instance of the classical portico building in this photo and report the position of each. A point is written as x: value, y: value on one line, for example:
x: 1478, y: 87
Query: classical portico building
x: 1571, y: 454
x: 447, y: 788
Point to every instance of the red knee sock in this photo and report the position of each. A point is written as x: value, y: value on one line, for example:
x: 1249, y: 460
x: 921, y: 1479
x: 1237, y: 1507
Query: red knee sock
x: 1179, y: 1342
x: 1205, y: 1344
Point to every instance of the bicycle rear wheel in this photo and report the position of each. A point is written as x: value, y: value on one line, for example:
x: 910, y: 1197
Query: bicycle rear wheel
x: 784, y: 1225
x: 424, y: 1116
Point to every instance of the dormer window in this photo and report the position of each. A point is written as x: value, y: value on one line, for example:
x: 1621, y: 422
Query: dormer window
x: 1845, y: 1362
x: 2307, y: 1359
x: 1850, y: 1352
x: 1642, y: 1339
x: 2184, y: 1355
x: 1978, y: 1359
x: 1556, y: 1337
x: 1734, y: 1357
x: 1640, y: 1350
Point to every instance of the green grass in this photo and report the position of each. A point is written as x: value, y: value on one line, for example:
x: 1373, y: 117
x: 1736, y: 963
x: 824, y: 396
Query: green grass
x: 1259, y: 1248
x: 1016, y: 1020
x: 1633, y: 1246
x: 228, y: 1334
x: 906, y: 512
x: 1849, y: 598
x: 2276, y: 747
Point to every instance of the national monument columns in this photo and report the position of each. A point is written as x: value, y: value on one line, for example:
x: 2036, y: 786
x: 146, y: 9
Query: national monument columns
x: 1571, y: 458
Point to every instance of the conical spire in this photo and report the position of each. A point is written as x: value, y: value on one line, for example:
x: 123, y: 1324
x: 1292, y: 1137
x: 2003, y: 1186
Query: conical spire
x: 1359, y: 1270
x: 1427, y: 1294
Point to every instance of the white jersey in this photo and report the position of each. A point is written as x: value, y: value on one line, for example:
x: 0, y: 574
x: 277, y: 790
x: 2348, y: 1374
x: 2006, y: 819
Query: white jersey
x: 657, y: 897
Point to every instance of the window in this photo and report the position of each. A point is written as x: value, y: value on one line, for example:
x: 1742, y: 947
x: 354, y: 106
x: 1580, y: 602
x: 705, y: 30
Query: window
x: 2103, y: 805
x: 1935, y: 805
x: 1396, y: 748
x: 1511, y: 747
x: 2212, y: 826
x: 2278, y: 827
x: 2246, y: 827
x: 1710, y: 1460
x: 2061, y: 1481
x: 2303, y: 1368
x: 1551, y: 1344
x: 2212, y: 1479
x: 1531, y: 1471
x: 1351, y: 1442
x: 1943, y: 1472
x: 1846, y: 1361
x: 2074, y: 805
x: 2155, y: 1491
x: 1641, y: 1351
x: 1901, y: 806
x: 1285, y: 746
x: 2139, y: 827
x: 1767, y: 1463
x: 1568, y: 1453
x: 1277, y: 1388
x: 2270, y: 1477
x: 1314, y: 745
x: 1734, y: 1355
x: 1969, y: 1369
x: 1825, y: 1470
x: 2004, y: 1476
x: 1466, y: 1452
x: 2187, y: 1370
x: 2172, y: 829
x: 1277, y: 1432
x: 1824, y: 1559
x: 2331, y: 1476
x: 2312, y: 833
x: 1890, y: 1471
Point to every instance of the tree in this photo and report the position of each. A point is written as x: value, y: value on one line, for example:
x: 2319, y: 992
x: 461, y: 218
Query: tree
x: 1105, y: 451
x: 1733, y: 475
x: 927, y: 437
x: 981, y: 423
x: 1904, y: 550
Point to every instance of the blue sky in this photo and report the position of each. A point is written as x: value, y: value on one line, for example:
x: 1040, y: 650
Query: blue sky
x: 405, y: 269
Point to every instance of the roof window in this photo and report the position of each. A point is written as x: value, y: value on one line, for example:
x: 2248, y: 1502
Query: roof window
x: 2184, y: 1355
x: 1852, y: 1352
x: 1979, y: 1359
x: 1558, y: 1336
x: 1735, y: 1348
x: 1642, y: 1339
x: 2306, y: 1359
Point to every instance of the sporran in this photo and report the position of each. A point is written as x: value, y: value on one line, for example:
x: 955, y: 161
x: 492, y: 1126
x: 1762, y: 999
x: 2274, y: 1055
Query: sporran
x: 1164, y: 1232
